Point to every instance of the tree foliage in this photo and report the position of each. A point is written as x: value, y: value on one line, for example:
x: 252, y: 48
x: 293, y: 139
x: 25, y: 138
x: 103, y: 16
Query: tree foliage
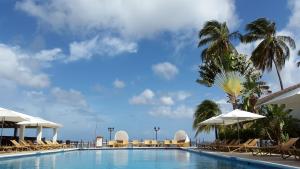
x: 273, y: 48
x: 205, y: 110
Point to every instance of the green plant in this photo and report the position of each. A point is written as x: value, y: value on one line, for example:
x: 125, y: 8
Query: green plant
x: 277, y: 124
x: 273, y: 49
x: 205, y: 110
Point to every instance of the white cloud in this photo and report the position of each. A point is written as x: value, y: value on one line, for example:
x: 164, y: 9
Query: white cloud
x: 294, y: 20
x: 67, y: 107
x: 107, y: 46
x: 165, y: 70
x: 24, y: 68
x: 181, y: 111
x: 166, y: 100
x: 183, y: 95
x: 146, y: 97
x: 68, y: 97
x: 131, y: 18
x: 49, y: 55
x: 119, y: 84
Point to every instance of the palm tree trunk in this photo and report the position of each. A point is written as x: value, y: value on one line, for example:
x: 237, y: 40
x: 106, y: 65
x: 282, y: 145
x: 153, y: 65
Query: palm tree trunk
x: 233, y: 101
x: 216, y: 132
x: 278, y: 74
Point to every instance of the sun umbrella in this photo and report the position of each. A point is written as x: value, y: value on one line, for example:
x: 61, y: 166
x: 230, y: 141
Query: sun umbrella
x: 9, y: 115
x: 36, y: 121
x: 217, y: 120
x: 240, y: 116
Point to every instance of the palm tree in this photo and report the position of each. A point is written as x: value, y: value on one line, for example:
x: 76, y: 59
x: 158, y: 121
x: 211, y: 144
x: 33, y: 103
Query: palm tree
x: 253, y: 90
x: 273, y: 49
x: 278, y: 118
x: 232, y: 84
x: 204, y: 111
x: 216, y: 37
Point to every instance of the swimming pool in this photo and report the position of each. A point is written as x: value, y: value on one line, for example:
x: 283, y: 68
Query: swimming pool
x: 124, y: 159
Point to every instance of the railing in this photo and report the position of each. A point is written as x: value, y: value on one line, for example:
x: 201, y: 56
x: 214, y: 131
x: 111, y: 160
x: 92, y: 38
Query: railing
x: 91, y: 144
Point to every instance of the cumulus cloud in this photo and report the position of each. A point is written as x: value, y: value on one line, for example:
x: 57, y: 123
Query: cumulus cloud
x: 294, y: 19
x: 146, y: 97
x: 119, y: 84
x: 182, y: 95
x: 49, y: 55
x: 107, y: 46
x: 25, y: 69
x: 68, y: 97
x: 181, y: 111
x: 131, y: 18
x: 165, y: 70
x: 166, y: 100
x: 65, y: 106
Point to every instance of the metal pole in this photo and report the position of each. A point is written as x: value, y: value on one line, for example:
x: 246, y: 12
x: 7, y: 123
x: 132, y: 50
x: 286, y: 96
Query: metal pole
x: 110, y: 129
x: 238, y: 127
x: 156, y: 129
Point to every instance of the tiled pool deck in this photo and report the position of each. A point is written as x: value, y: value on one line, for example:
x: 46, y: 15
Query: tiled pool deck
x: 275, y: 158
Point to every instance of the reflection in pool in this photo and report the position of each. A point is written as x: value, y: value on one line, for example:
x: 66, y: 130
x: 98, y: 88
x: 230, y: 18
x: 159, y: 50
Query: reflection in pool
x: 122, y: 159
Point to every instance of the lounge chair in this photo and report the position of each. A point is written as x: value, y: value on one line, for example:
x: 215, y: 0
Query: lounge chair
x: 32, y: 147
x: 285, y: 149
x: 18, y: 146
x: 45, y: 146
x: 183, y: 143
x: 52, y: 144
x: 136, y: 143
x: 210, y: 145
x: 167, y: 143
x: 174, y: 143
x: 6, y: 148
x: 62, y: 145
x: 112, y: 143
x: 248, y: 145
x: 147, y: 143
x: 227, y: 146
x: 154, y: 143
x: 40, y: 147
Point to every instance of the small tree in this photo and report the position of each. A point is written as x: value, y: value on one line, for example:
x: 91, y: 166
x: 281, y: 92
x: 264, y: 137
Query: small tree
x: 204, y: 111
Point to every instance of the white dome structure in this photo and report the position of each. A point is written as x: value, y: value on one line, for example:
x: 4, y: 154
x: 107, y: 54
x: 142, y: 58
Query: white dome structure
x: 121, y: 136
x: 181, y: 137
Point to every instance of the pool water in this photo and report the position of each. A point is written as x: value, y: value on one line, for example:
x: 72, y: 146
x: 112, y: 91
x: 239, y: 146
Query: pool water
x: 122, y: 159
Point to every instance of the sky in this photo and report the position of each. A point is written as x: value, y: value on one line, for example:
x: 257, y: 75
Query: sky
x: 127, y: 64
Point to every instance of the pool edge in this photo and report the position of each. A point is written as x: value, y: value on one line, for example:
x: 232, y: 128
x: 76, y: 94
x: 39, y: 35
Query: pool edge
x: 241, y: 159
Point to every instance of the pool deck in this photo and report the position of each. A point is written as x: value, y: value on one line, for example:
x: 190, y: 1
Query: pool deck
x: 31, y: 153
x: 274, y: 159
x: 291, y: 161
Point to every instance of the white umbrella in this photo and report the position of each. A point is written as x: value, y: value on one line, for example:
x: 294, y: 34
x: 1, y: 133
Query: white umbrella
x: 9, y: 115
x: 36, y: 121
x: 217, y: 120
x: 239, y: 116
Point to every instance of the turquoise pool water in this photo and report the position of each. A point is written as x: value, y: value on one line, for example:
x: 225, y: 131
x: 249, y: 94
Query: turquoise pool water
x: 123, y: 159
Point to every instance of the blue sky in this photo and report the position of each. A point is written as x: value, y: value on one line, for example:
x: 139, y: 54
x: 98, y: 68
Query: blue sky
x: 131, y: 65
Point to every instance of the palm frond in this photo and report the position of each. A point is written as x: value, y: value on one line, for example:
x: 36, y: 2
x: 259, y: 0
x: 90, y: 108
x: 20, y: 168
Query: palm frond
x: 290, y: 41
x: 230, y: 82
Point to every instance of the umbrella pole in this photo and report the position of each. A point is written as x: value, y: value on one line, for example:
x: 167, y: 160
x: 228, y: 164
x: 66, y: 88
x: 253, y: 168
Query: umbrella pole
x: 238, y: 127
x: 2, y: 131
